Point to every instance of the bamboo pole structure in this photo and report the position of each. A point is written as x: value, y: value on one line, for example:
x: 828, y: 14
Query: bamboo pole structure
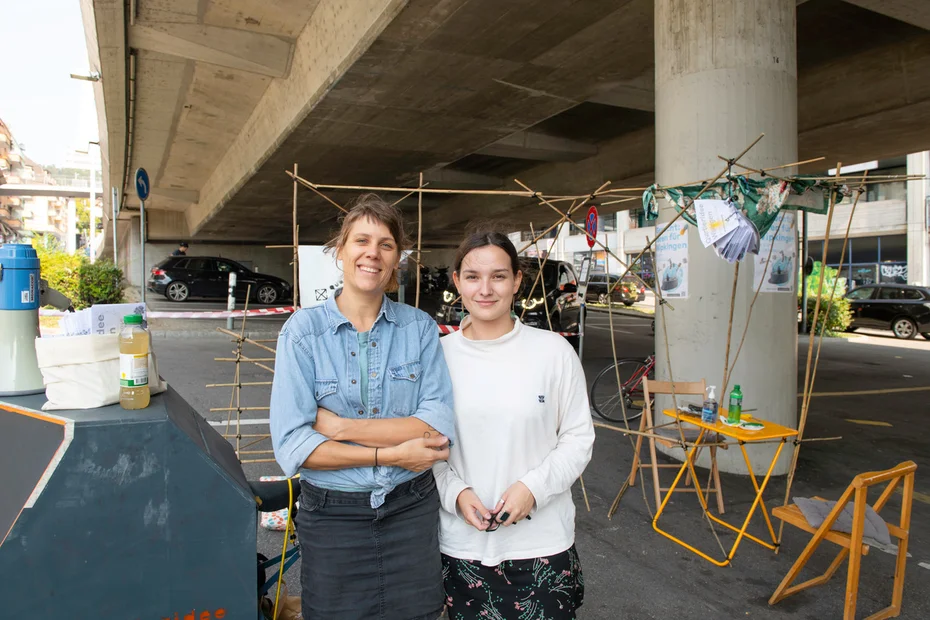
x: 810, y: 349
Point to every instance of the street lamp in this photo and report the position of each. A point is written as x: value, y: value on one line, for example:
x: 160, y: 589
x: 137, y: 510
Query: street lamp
x: 93, y: 77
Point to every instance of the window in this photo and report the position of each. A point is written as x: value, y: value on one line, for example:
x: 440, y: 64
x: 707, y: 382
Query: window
x: 609, y: 222
x: 912, y: 294
x: 200, y: 264
x: 597, y: 279
x: 180, y: 264
x: 861, y: 293
x: 225, y: 267
x: 892, y: 294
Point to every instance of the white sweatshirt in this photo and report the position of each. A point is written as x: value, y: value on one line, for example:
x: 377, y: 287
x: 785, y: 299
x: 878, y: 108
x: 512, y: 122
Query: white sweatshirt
x: 521, y: 413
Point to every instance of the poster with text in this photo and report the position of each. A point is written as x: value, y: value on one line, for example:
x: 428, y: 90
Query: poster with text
x: 672, y: 261
x: 318, y: 274
x: 781, y: 272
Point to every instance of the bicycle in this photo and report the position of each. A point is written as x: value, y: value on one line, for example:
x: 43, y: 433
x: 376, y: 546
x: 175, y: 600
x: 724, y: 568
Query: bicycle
x: 628, y: 403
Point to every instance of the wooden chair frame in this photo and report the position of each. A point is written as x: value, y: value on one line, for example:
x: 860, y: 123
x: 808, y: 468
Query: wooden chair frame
x: 853, y: 542
x: 647, y: 424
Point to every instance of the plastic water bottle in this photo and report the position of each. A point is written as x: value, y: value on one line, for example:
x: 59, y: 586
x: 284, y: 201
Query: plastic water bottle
x: 709, y: 411
x: 735, y: 409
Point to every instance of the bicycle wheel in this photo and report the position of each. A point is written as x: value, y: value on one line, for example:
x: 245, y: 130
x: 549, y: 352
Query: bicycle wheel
x: 614, y: 405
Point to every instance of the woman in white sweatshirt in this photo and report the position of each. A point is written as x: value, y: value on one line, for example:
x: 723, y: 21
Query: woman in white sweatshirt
x: 524, y: 429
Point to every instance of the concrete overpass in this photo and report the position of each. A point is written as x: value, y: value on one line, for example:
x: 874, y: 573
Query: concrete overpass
x: 218, y: 98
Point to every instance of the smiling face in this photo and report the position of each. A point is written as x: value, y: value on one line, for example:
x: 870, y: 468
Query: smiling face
x: 369, y: 256
x: 487, y: 284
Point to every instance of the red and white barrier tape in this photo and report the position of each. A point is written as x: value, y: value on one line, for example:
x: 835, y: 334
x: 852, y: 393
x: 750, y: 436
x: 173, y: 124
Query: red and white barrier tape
x: 224, y: 314
x: 198, y: 315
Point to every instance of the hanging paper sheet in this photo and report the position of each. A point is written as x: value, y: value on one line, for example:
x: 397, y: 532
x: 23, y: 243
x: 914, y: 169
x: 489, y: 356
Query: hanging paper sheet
x: 781, y: 273
x: 672, y: 261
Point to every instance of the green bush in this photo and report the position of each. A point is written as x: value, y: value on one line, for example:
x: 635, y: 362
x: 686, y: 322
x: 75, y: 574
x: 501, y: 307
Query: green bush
x: 61, y: 270
x: 99, y: 283
x: 73, y: 276
x: 839, y: 317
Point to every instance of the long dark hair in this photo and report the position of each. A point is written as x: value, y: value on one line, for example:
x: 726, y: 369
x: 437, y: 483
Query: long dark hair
x: 483, y: 239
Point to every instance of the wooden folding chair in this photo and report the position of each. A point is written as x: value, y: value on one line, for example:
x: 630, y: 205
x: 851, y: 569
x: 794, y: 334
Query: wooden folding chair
x: 670, y: 437
x: 852, y: 545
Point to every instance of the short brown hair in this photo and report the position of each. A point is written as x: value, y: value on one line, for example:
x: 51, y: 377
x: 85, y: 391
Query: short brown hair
x: 373, y: 207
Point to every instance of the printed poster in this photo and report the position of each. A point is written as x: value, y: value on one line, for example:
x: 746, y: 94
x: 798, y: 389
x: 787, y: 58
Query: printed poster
x: 781, y: 273
x: 672, y: 260
x: 318, y: 274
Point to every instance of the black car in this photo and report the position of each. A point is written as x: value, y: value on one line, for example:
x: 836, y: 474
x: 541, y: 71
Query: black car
x: 561, y: 299
x: 903, y: 309
x: 627, y: 292
x: 181, y: 277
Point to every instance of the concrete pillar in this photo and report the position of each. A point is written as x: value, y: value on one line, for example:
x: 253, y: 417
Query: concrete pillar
x: 918, y: 203
x: 726, y: 71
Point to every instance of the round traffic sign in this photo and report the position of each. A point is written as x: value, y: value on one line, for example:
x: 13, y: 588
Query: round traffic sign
x: 590, y: 225
x: 142, y: 183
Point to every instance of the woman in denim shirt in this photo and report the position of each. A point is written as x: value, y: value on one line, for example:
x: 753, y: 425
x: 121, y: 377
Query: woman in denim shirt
x: 361, y: 406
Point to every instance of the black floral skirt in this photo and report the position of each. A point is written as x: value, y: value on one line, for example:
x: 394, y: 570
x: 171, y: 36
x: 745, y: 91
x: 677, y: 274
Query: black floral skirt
x: 549, y: 588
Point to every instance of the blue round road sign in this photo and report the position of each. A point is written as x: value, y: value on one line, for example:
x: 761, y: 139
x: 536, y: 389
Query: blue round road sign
x: 590, y: 225
x: 142, y: 183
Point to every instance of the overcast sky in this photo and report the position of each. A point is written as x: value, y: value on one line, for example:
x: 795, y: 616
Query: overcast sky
x: 46, y: 110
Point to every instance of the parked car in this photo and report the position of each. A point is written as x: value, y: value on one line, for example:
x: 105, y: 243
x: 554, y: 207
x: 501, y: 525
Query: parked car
x: 903, y: 309
x: 181, y: 277
x: 628, y: 292
x: 561, y: 299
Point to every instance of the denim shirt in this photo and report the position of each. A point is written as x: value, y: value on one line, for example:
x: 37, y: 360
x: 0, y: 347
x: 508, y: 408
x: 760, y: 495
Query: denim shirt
x: 317, y: 366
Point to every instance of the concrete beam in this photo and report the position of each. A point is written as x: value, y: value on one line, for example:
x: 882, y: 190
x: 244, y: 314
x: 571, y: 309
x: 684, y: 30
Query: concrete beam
x: 913, y: 12
x: 181, y: 195
x: 635, y: 94
x: 106, y: 54
x: 334, y: 38
x: 539, y: 147
x: 227, y: 47
x: 457, y: 179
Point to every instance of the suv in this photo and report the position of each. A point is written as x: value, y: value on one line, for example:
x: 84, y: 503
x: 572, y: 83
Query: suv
x: 181, y: 277
x: 628, y: 292
x: 561, y: 299
x: 903, y: 309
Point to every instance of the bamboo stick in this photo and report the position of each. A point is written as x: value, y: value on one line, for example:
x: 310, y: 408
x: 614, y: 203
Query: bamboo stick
x: 388, y: 189
x: 810, y: 351
x: 233, y: 359
x: 213, y: 385
x: 311, y: 187
x: 240, y: 408
x: 416, y: 303
x: 249, y: 340
x: 411, y: 193
x: 726, y: 355
x: 296, y: 287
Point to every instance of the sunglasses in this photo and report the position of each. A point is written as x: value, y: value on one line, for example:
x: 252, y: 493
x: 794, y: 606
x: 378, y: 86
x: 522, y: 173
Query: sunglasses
x: 495, y: 524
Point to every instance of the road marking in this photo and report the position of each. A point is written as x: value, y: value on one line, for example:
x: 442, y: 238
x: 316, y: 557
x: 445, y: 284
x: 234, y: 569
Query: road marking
x: 925, y: 388
x: 243, y: 422
x: 869, y: 422
x: 923, y: 498
x: 607, y: 329
x: 924, y: 565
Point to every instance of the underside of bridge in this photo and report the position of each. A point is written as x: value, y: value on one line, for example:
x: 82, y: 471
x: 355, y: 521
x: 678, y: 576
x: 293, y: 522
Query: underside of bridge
x: 216, y: 99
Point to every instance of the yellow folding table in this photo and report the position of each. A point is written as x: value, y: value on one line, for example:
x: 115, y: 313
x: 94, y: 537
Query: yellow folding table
x: 768, y: 433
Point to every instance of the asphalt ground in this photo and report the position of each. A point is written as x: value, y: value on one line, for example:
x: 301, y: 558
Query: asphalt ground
x: 630, y: 570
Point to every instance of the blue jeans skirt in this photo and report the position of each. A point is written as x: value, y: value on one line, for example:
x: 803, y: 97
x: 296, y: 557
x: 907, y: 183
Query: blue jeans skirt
x: 359, y: 562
